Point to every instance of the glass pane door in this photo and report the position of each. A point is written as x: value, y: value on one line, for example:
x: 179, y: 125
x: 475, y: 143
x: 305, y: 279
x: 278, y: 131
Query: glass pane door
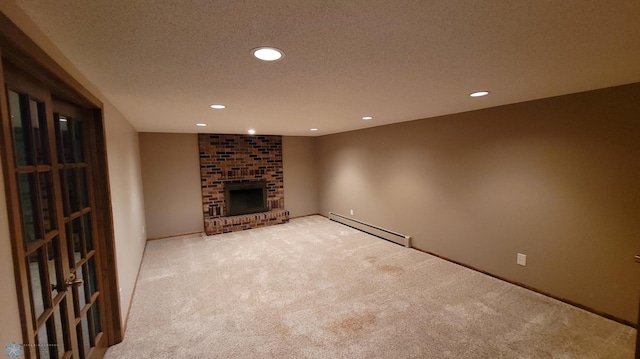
x: 78, y: 219
x: 55, y: 229
x: 42, y: 239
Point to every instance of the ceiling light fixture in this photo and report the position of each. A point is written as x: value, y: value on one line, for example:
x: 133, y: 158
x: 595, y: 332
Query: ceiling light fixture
x: 267, y: 53
x: 313, y: 129
x: 218, y: 107
x: 252, y: 131
x: 367, y: 118
x: 479, y: 93
x: 201, y: 124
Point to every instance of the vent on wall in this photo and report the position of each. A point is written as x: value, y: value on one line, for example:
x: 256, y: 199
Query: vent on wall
x: 371, y: 229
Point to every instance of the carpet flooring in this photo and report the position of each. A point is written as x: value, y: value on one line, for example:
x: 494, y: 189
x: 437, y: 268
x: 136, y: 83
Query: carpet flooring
x: 313, y: 288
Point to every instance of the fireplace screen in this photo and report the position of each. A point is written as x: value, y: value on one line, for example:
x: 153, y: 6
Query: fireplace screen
x: 245, y: 197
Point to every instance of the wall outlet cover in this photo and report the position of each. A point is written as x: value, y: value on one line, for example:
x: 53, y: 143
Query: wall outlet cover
x: 522, y: 259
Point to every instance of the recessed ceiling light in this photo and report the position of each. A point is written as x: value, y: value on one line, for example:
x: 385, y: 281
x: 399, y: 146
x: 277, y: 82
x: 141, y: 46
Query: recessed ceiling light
x: 252, y: 131
x: 267, y: 53
x: 201, y: 124
x: 313, y: 129
x: 366, y: 118
x: 218, y: 107
x: 479, y: 93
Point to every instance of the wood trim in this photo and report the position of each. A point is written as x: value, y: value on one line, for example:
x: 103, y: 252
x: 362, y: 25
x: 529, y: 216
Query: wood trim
x: 307, y: 215
x: 20, y: 49
x: 638, y: 333
x: 135, y: 286
x: 17, y: 48
x: 564, y: 300
x: 62, y: 228
x: 111, y: 286
x: 175, y: 235
x: 13, y: 211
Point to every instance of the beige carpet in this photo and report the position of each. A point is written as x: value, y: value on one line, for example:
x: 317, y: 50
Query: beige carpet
x: 313, y: 288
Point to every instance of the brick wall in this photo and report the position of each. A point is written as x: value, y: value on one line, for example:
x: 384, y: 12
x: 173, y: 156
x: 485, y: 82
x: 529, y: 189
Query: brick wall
x: 235, y: 158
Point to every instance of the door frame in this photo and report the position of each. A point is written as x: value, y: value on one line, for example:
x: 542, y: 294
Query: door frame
x: 19, y: 50
x: 638, y: 332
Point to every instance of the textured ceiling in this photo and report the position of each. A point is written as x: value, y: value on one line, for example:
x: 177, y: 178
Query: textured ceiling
x: 162, y: 63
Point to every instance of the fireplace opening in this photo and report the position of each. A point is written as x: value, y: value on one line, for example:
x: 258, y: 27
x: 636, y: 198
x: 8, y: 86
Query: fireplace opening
x: 245, y: 197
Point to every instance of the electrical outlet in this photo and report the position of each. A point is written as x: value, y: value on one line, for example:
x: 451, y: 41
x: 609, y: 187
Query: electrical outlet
x: 352, y: 212
x: 522, y: 259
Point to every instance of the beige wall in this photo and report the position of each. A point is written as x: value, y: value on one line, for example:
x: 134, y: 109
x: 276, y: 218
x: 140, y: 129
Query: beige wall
x: 124, y: 175
x: 127, y: 201
x: 300, y: 175
x: 171, y: 181
x: 556, y: 179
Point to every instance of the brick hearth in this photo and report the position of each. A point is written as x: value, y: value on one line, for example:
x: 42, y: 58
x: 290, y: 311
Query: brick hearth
x: 234, y: 158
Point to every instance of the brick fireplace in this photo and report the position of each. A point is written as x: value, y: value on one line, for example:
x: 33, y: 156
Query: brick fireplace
x: 238, y: 162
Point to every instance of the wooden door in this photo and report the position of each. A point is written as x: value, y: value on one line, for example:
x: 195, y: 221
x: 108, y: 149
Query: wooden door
x: 54, y: 231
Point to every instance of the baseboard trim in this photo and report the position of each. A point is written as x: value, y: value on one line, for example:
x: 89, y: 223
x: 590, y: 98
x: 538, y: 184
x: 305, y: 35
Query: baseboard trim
x: 306, y: 215
x: 133, y: 292
x: 564, y: 300
x: 174, y: 235
x: 383, y: 233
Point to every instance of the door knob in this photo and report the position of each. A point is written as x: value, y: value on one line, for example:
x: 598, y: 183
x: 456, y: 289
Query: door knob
x: 637, y: 258
x: 73, y: 281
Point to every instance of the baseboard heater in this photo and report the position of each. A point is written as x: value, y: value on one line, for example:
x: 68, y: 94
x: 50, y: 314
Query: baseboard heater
x: 371, y: 229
